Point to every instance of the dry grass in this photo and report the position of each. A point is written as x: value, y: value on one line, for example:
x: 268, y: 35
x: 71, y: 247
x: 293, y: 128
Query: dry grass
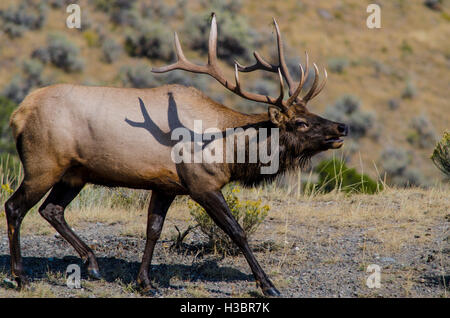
x: 312, y: 229
x: 391, y: 218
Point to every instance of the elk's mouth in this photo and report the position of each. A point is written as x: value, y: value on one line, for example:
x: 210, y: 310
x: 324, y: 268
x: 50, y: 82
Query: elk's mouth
x: 334, y: 142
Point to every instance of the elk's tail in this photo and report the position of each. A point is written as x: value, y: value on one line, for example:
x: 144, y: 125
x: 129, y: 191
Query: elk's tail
x: 19, y: 117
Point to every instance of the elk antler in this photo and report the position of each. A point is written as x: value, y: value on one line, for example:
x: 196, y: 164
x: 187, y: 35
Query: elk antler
x: 212, y: 69
x: 294, y: 91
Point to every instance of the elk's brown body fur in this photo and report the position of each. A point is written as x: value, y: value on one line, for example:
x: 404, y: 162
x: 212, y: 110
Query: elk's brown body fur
x: 70, y: 135
x: 92, y: 142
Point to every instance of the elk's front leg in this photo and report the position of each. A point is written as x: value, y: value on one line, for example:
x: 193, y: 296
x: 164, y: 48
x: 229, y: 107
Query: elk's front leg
x: 159, y: 204
x: 215, y: 205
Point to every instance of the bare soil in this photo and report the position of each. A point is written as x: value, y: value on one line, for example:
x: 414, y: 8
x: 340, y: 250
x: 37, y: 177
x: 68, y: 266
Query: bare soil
x: 312, y: 248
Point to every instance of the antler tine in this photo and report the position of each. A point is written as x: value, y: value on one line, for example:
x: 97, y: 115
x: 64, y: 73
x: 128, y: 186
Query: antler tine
x: 180, y: 56
x: 294, y: 96
x: 262, y: 64
x: 236, y: 78
x: 282, y: 61
x: 181, y: 63
x: 212, y: 42
x: 321, y: 85
x: 303, y: 76
x: 312, y: 90
x: 280, y: 98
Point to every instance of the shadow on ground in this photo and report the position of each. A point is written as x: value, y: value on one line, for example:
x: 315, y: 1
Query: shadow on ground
x: 112, y: 269
x: 443, y: 281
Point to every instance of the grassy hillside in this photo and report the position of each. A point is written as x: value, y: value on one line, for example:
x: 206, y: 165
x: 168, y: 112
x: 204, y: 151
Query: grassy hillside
x: 399, y: 73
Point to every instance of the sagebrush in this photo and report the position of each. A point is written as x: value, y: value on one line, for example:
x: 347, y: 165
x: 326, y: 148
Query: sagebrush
x: 249, y: 214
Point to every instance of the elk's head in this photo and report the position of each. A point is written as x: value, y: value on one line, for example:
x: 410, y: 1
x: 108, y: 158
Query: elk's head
x: 300, y: 130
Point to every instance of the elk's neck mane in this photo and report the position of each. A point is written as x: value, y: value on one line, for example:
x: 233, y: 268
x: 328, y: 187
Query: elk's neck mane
x: 291, y: 155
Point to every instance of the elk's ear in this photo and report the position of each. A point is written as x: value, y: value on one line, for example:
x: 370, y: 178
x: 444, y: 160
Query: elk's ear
x: 276, y: 116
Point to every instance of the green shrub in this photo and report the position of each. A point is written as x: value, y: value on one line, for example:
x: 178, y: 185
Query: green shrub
x: 24, y: 16
x: 235, y: 36
x: 111, y: 50
x: 21, y: 84
x: 13, y: 30
x: 347, y: 109
x: 441, y: 154
x: 159, y: 10
x: 183, y: 78
x: 338, y: 64
x: 121, y: 12
x: 64, y: 54
x: 265, y: 87
x: 249, y: 215
x: 6, y: 139
x: 396, y: 165
x: 406, y: 48
x: 395, y: 160
x: 92, y: 38
x: 32, y: 69
x: 139, y: 76
x: 422, y: 132
x: 56, y: 4
x: 17, y: 89
x: 11, y: 174
x: 393, y: 104
x: 152, y: 40
x: 410, y: 90
x: 335, y: 175
x: 41, y: 54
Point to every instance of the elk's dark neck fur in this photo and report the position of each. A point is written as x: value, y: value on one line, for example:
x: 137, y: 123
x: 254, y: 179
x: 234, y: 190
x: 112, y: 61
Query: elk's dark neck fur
x: 291, y: 155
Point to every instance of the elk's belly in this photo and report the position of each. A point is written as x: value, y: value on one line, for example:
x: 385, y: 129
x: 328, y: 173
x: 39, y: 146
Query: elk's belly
x: 150, y: 178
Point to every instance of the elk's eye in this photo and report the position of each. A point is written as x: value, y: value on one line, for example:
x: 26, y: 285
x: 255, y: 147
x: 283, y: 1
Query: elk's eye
x: 301, y: 123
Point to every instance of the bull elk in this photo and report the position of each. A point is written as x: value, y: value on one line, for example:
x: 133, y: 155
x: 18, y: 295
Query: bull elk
x: 69, y: 135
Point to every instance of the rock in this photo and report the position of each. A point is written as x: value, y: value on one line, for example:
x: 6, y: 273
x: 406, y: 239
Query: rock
x: 388, y: 260
x: 9, y: 283
x: 324, y: 14
x: 394, y: 103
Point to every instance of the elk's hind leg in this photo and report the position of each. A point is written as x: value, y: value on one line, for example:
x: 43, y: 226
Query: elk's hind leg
x: 26, y: 196
x: 159, y: 204
x: 53, y: 211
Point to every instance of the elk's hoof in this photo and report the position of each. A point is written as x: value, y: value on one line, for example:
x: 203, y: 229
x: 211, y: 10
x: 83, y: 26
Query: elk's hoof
x: 94, y: 274
x: 271, y: 292
x: 22, y: 281
x: 149, y: 291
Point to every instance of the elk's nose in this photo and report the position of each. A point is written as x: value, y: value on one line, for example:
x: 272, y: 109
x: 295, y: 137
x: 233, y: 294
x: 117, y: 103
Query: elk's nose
x: 343, y: 129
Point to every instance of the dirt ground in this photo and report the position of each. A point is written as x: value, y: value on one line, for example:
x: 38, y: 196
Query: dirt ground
x: 309, y: 247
